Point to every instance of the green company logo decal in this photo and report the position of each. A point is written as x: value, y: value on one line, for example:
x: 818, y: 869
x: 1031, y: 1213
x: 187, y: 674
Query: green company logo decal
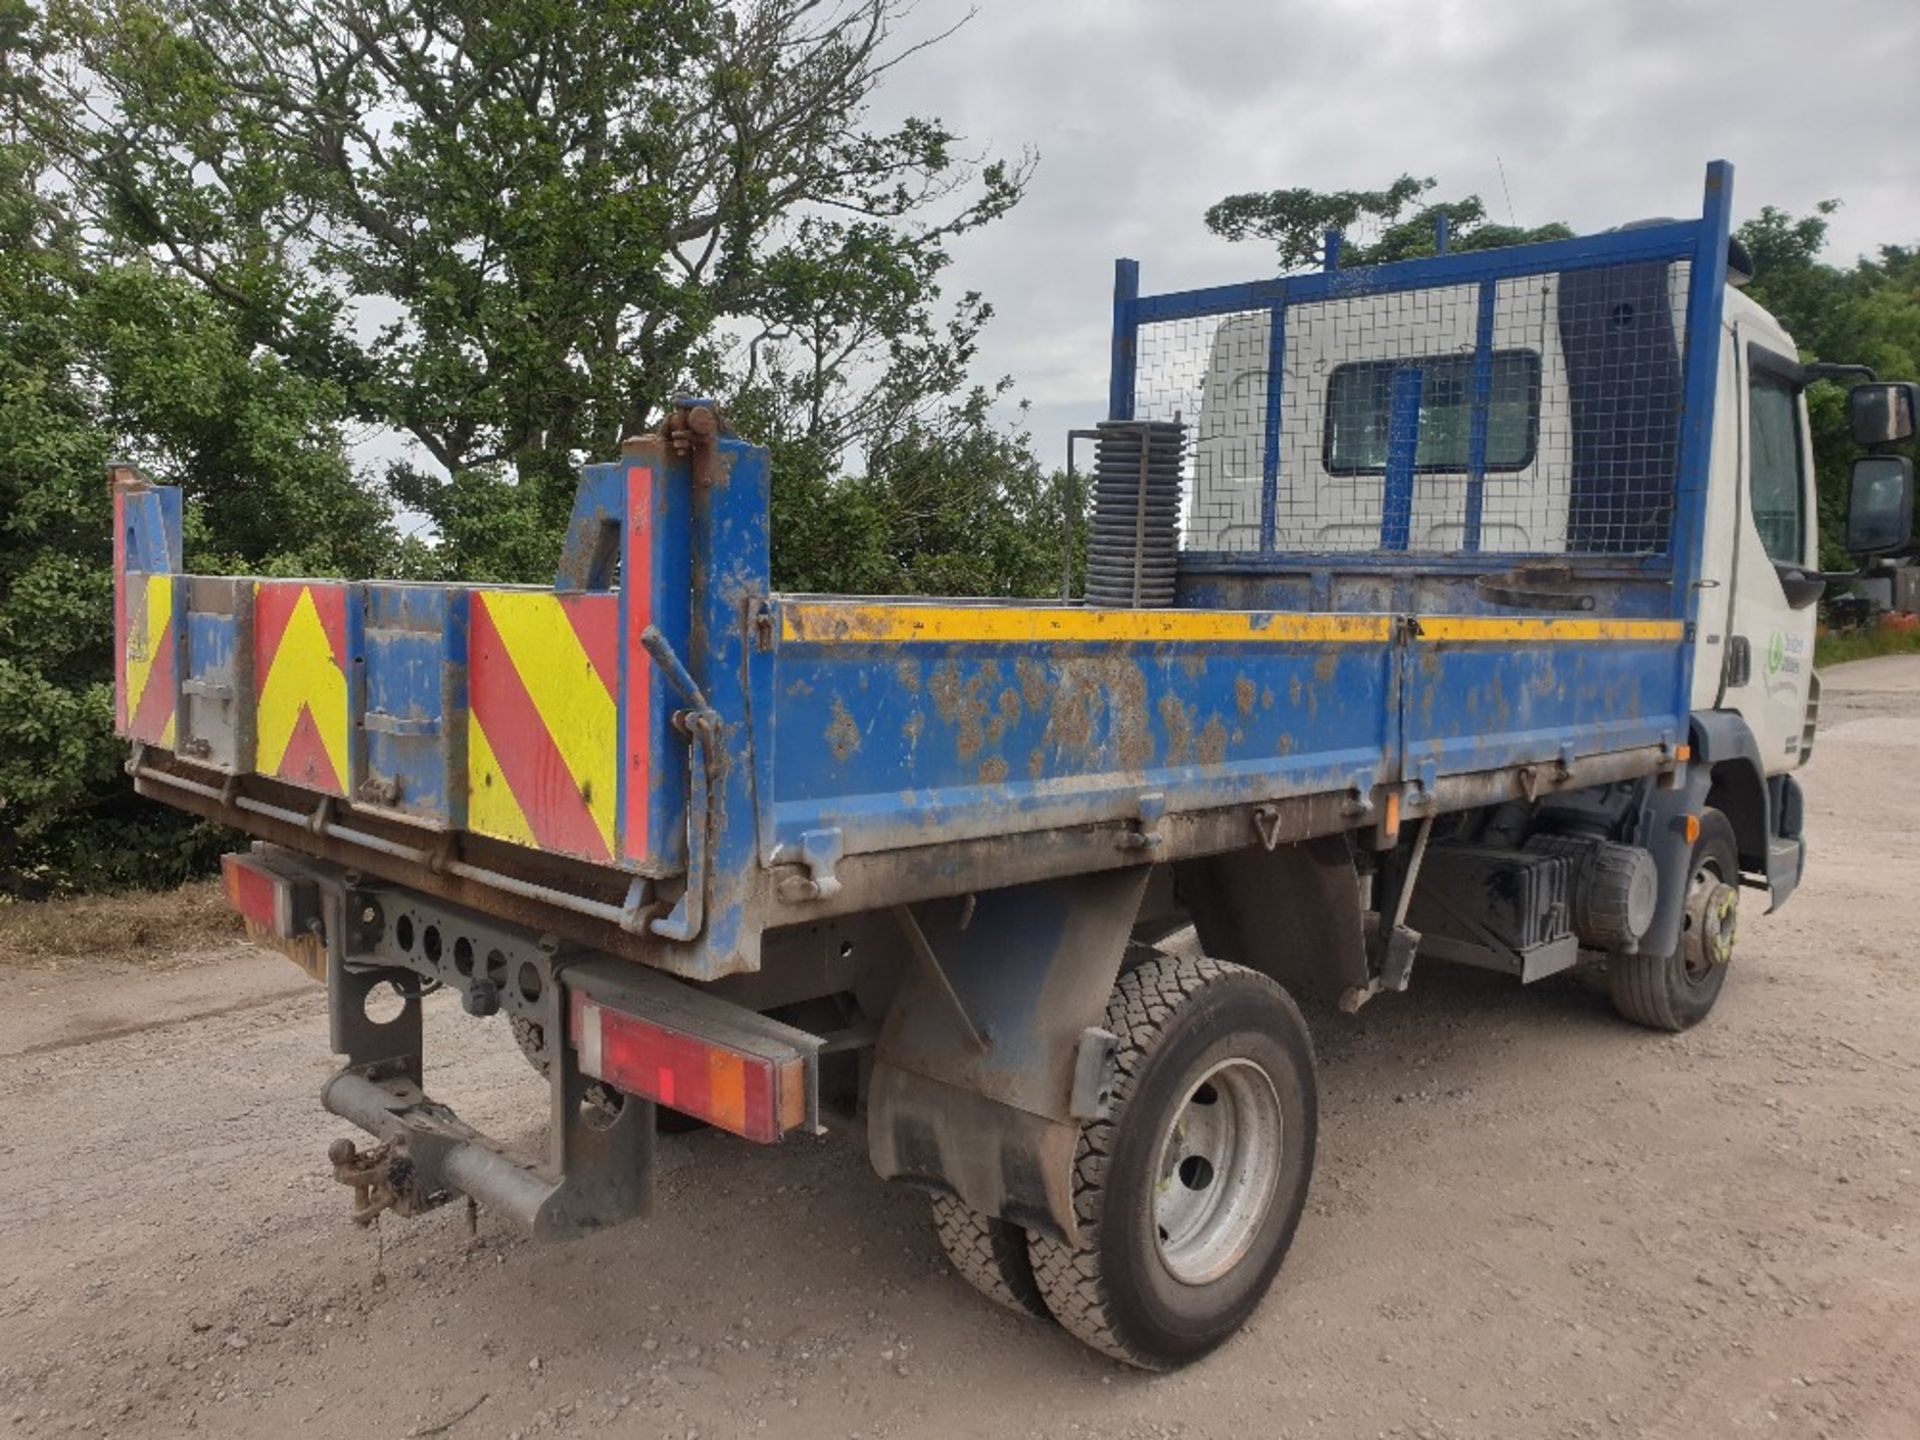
x: 1776, y: 653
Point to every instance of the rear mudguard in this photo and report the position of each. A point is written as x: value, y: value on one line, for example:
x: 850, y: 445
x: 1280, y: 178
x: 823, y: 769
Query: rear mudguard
x: 973, y: 1089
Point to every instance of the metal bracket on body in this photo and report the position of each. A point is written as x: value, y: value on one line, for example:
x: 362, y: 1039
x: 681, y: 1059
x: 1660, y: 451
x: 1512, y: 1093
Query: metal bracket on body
x: 700, y: 723
x: 1396, y: 943
x: 1152, y: 810
x: 819, y: 851
x: 923, y: 952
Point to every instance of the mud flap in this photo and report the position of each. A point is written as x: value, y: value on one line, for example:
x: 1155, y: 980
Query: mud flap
x: 1293, y: 913
x: 973, y: 1077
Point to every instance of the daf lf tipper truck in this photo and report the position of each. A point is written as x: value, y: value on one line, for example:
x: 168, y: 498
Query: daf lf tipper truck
x: 1459, y: 609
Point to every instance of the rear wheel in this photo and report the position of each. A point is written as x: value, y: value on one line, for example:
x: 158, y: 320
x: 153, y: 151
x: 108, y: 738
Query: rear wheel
x: 1188, y: 1194
x: 989, y: 1254
x: 1673, y: 992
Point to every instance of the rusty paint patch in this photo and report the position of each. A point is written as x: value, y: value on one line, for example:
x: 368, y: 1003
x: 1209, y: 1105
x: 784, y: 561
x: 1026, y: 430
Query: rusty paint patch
x: 1070, y: 718
x: 1132, y: 731
x: 907, y: 675
x: 1213, y: 742
x: 843, y: 736
x: 1193, y: 666
x: 1178, y: 721
x: 1100, y: 705
x: 1325, y: 666
x: 964, y: 706
x: 993, y: 771
x: 1034, y: 683
x: 1243, y: 694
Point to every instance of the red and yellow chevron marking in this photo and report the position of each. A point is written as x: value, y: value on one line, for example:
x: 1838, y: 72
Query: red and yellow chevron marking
x: 151, y: 685
x: 543, y: 730
x: 300, y: 669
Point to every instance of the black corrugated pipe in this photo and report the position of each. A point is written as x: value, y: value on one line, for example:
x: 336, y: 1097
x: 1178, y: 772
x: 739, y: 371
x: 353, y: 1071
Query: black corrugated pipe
x: 1133, y: 541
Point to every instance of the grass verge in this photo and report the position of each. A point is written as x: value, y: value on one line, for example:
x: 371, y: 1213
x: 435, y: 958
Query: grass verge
x: 1840, y: 647
x: 137, y: 926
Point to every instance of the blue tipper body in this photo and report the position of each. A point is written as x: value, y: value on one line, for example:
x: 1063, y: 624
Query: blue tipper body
x: 863, y: 750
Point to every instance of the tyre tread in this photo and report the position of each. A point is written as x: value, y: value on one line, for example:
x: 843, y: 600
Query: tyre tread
x: 989, y: 1254
x: 1069, y: 1276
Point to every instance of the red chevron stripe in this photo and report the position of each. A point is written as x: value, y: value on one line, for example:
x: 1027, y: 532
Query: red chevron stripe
x: 156, y: 701
x: 529, y: 761
x: 596, y: 622
x: 306, y: 761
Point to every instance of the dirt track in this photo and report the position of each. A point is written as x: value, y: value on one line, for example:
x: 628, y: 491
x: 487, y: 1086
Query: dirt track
x: 1529, y: 1220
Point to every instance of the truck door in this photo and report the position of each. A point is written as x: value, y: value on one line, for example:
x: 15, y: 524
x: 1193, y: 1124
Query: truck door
x: 1769, y: 657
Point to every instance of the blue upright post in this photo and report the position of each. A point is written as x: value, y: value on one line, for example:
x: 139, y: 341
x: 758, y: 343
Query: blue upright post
x: 1403, y: 444
x: 1442, y: 232
x: 1330, y: 257
x: 1270, y: 451
x: 1126, y: 330
x: 1482, y: 403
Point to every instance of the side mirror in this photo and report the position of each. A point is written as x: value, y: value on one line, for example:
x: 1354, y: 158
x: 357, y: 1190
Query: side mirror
x: 1880, y: 503
x: 1884, y: 414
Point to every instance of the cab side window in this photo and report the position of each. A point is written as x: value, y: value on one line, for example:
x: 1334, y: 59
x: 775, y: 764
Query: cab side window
x: 1776, y: 487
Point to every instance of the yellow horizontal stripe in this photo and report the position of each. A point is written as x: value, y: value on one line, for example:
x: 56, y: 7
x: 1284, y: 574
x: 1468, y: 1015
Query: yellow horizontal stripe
x: 1484, y: 629
x: 1012, y: 624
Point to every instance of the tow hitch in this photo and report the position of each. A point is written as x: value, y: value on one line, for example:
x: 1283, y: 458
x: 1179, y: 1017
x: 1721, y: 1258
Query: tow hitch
x: 383, y: 1178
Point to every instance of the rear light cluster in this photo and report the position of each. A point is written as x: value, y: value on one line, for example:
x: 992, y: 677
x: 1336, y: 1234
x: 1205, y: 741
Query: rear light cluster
x: 760, y: 1091
x: 283, y: 905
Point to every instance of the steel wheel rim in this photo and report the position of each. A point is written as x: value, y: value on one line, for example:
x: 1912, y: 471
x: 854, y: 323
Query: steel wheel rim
x: 1218, y: 1171
x: 1712, y: 921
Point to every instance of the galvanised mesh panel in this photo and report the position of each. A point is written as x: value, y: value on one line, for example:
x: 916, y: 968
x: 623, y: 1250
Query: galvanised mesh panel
x: 1529, y: 415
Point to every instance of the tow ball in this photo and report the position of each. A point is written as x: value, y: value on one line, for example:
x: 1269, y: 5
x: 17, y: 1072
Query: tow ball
x: 383, y: 1178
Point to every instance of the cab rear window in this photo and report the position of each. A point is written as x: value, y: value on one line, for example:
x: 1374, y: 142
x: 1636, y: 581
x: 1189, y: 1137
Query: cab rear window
x: 1359, y: 411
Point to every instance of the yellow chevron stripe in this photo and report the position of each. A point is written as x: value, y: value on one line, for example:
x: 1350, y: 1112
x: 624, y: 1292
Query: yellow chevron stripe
x: 303, y: 676
x: 1480, y: 629
x: 880, y: 624
x: 567, y: 692
x: 491, y: 806
x: 157, y: 620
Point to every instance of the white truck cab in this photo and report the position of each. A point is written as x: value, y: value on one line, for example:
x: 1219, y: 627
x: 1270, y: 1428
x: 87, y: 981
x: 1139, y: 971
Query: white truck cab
x: 1760, y: 577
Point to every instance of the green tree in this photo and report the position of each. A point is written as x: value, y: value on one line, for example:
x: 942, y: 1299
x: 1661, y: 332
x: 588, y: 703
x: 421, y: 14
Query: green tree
x: 103, y: 355
x: 1402, y: 219
x: 513, y: 230
x: 1866, y: 313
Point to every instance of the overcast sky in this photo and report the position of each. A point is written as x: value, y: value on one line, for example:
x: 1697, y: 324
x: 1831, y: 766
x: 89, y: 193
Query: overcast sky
x: 1144, y: 112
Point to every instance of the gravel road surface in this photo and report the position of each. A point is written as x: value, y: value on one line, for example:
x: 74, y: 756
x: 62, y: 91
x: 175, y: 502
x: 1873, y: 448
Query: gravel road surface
x: 1530, y: 1219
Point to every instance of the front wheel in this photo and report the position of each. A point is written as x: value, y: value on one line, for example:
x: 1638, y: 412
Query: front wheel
x: 1674, y: 992
x: 1188, y: 1194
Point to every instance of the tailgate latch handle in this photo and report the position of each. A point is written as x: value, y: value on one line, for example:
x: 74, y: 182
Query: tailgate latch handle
x: 700, y: 723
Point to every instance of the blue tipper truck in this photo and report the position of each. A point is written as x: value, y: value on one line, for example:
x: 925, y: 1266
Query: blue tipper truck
x: 1457, y: 609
